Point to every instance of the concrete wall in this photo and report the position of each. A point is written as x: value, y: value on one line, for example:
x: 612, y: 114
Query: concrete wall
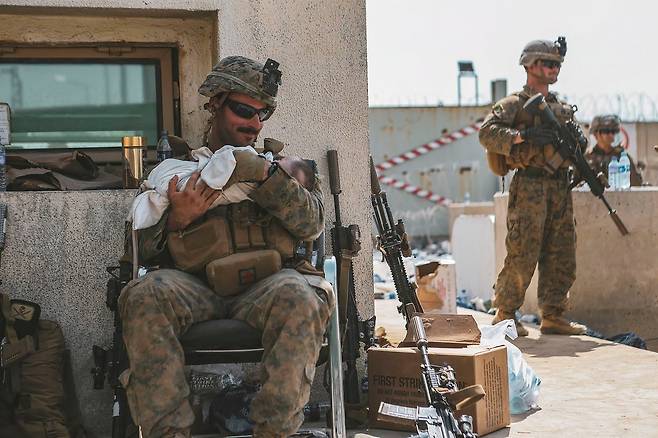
x: 192, y: 35
x: 60, y: 243
x: 397, y: 130
x: 615, y: 287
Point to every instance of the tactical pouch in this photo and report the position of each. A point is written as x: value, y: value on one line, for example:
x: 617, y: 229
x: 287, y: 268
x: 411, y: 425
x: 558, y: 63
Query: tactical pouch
x: 280, y: 239
x: 497, y: 163
x: 39, y: 410
x: 236, y: 228
x: 199, y: 244
x: 234, y: 274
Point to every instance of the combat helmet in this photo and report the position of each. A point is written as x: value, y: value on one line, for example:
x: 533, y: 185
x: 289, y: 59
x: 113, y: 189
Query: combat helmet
x: 606, y: 121
x: 243, y: 75
x: 543, y: 49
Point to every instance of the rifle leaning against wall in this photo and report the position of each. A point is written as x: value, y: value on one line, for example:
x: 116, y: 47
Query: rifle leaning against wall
x: 570, y: 144
x: 393, y: 244
x: 346, y: 245
x: 440, y: 389
x: 112, y: 361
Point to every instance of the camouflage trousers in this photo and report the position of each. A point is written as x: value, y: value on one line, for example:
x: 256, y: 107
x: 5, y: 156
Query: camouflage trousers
x: 540, y: 232
x: 159, y: 307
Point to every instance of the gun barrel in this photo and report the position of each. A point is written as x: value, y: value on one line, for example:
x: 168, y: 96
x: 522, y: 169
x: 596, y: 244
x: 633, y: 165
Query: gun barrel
x: 421, y: 337
x: 618, y: 222
x: 334, y: 173
x: 615, y: 218
x: 374, y: 180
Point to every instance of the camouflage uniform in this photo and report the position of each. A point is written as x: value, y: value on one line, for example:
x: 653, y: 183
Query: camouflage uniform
x: 540, y: 224
x: 599, y: 158
x: 290, y: 309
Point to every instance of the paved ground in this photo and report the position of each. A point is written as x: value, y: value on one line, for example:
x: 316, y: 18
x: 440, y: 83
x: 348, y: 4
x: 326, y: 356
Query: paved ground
x: 590, y: 387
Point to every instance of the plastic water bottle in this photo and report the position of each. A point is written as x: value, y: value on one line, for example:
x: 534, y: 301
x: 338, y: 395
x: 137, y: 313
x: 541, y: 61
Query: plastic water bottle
x: 3, y: 175
x: 163, y: 150
x: 208, y: 383
x: 613, y: 174
x: 624, y: 172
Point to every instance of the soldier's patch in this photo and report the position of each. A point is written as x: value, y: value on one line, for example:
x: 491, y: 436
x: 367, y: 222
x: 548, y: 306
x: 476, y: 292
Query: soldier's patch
x: 247, y: 276
x: 498, y: 110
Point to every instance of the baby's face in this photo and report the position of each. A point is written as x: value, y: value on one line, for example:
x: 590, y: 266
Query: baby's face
x: 289, y: 164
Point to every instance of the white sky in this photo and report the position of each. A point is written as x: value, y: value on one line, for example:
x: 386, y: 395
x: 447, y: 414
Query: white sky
x: 414, y: 46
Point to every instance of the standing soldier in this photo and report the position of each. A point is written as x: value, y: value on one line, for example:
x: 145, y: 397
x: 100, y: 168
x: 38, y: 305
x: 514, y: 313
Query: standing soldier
x: 605, y: 128
x: 540, y: 224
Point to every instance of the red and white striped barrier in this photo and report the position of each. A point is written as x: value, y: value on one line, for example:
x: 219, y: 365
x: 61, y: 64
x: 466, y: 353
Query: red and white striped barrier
x: 428, y: 147
x: 417, y: 191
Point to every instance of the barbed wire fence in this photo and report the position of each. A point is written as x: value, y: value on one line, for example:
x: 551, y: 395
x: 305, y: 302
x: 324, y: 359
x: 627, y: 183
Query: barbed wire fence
x: 630, y: 107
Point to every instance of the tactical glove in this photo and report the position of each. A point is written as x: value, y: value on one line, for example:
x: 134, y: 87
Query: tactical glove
x: 538, y: 135
x: 249, y: 167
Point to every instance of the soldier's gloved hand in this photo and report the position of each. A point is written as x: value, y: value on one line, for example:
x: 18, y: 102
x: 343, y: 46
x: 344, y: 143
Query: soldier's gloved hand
x: 538, y: 135
x: 525, y: 152
x: 250, y: 167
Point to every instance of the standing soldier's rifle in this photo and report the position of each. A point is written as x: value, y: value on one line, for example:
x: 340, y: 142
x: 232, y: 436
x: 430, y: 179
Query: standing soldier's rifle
x: 393, y: 244
x: 570, y: 144
x: 346, y: 245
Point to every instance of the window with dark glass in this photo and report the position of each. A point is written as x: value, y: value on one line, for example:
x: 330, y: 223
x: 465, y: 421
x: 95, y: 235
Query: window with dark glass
x: 87, y: 98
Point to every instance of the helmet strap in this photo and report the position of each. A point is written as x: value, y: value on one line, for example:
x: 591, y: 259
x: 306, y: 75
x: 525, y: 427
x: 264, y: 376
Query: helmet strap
x: 212, y: 109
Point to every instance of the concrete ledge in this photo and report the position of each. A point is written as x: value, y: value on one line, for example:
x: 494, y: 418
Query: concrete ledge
x: 615, y: 288
x: 590, y: 387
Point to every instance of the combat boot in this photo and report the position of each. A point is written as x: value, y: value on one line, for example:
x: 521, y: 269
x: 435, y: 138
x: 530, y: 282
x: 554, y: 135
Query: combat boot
x: 559, y: 325
x: 502, y: 315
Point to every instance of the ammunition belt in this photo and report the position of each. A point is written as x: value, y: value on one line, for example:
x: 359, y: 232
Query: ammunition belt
x: 536, y: 172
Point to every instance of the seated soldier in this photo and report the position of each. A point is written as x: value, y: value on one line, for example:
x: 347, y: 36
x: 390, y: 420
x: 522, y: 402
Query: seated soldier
x: 157, y: 308
x: 605, y: 128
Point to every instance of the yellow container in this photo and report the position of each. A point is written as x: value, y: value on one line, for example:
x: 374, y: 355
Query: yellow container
x: 133, y: 160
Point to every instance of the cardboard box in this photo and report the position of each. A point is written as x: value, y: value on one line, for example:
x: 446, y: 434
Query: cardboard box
x: 437, y: 286
x: 443, y: 330
x: 394, y: 377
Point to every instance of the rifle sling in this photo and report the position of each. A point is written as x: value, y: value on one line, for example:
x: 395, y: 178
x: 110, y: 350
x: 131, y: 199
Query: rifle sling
x: 343, y: 287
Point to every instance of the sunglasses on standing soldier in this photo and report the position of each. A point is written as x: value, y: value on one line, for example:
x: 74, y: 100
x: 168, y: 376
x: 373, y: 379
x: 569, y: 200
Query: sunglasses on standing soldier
x: 247, y: 111
x: 550, y: 64
x: 608, y: 131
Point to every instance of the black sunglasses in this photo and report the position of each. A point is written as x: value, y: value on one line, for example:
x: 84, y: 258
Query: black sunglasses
x: 247, y: 111
x: 608, y: 131
x: 550, y: 64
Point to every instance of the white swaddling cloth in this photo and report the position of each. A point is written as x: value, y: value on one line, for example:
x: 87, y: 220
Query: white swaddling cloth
x: 215, y: 168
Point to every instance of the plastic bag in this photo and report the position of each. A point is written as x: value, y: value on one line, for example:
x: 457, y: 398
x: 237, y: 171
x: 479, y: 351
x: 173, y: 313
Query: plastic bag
x: 229, y: 410
x: 523, y: 382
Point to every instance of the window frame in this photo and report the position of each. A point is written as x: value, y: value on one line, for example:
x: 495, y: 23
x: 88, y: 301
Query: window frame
x: 164, y: 56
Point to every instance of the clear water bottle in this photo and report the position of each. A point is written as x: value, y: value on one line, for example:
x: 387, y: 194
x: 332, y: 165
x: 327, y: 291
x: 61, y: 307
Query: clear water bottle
x: 163, y: 150
x: 624, y: 172
x: 208, y: 383
x: 3, y: 174
x: 613, y: 174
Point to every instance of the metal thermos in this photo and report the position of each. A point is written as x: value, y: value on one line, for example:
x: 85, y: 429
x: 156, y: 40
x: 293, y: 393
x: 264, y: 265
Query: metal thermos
x: 133, y: 161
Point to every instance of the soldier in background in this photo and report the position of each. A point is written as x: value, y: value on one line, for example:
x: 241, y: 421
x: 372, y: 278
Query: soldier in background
x: 290, y: 309
x: 540, y: 223
x: 605, y: 128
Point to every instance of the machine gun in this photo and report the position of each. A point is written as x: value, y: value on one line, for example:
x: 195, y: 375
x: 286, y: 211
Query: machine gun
x: 392, y: 242
x: 570, y: 142
x: 346, y: 245
x: 440, y: 388
x: 111, y: 362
